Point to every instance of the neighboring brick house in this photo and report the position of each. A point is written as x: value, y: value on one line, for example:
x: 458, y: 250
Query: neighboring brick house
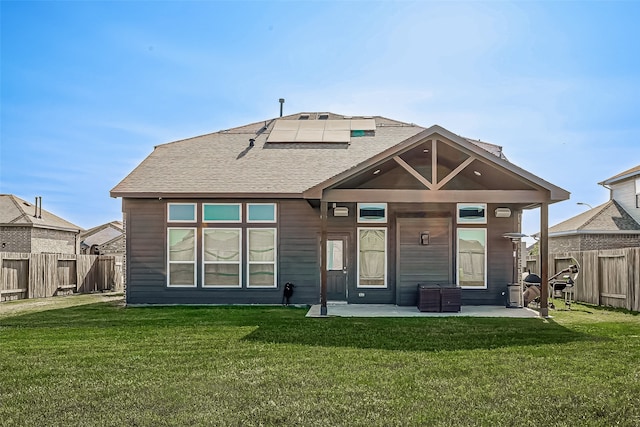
x: 26, y: 227
x: 105, y: 239
x: 612, y: 225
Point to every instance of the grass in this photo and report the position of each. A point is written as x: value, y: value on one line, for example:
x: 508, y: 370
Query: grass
x: 104, y: 364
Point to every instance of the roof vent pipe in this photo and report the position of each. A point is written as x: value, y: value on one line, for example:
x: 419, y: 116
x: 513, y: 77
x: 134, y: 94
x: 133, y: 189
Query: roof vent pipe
x: 38, y: 214
x: 281, y: 100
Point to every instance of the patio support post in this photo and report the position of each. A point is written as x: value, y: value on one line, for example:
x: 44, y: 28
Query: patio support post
x: 323, y: 258
x: 544, y: 259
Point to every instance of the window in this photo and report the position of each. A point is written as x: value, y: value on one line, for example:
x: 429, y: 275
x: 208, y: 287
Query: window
x: 472, y: 213
x: 181, y: 212
x: 261, y: 265
x: 637, y: 192
x: 335, y: 257
x: 372, y: 258
x: 222, y: 212
x: 181, y: 269
x: 372, y: 212
x: 261, y: 212
x: 472, y: 258
x: 221, y: 249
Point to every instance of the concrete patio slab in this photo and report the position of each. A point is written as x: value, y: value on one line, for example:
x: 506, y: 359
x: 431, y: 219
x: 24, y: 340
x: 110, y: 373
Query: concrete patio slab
x: 390, y: 310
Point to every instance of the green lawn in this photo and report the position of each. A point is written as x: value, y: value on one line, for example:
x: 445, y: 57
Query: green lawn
x: 107, y: 365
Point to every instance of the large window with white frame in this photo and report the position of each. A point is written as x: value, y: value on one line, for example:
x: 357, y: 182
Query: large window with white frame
x: 261, y: 259
x: 238, y: 246
x: 221, y: 257
x: 472, y: 258
x: 181, y: 247
x: 372, y: 257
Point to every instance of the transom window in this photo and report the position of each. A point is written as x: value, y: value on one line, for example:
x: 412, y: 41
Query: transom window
x: 261, y: 212
x: 472, y: 213
x: 181, y: 212
x: 372, y: 212
x: 222, y: 212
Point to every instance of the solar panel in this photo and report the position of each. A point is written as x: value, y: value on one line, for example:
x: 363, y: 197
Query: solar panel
x: 335, y: 131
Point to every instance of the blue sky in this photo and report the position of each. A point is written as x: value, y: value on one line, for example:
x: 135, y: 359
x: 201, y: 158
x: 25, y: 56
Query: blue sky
x: 89, y: 88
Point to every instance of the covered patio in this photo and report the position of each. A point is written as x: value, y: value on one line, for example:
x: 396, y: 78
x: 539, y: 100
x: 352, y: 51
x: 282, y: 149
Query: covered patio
x: 391, y: 310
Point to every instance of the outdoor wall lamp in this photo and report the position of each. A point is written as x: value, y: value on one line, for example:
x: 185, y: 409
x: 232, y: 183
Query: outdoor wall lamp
x: 424, y: 238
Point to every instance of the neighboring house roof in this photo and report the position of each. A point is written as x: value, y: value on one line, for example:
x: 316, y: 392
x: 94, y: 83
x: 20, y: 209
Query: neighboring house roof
x: 608, y: 218
x: 496, y: 150
x: 102, y: 234
x: 635, y: 171
x: 17, y: 212
x: 223, y: 163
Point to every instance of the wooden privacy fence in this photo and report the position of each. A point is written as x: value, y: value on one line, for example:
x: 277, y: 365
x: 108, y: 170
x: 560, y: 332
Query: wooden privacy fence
x: 25, y: 275
x: 607, y: 277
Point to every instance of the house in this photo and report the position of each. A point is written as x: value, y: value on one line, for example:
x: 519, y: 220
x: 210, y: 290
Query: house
x: 26, y: 227
x: 354, y: 209
x: 105, y: 239
x: 612, y: 225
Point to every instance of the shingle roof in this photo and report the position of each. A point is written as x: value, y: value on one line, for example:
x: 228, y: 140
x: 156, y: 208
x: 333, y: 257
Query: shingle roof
x: 606, y: 218
x: 223, y: 163
x: 15, y: 211
x: 102, y: 234
x: 630, y: 173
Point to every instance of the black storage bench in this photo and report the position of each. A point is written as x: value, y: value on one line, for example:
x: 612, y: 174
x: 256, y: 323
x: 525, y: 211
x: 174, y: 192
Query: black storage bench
x: 439, y: 298
x: 429, y: 298
x: 451, y: 297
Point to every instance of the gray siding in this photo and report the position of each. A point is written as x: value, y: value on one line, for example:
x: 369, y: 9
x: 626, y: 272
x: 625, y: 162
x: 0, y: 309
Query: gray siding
x: 423, y: 264
x: 298, y: 228
x: 145, y: 243
x: 625, y: 194
x: 299, y: 258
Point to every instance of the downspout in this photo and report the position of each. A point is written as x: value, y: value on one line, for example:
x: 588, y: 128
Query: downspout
x: 608, y: 188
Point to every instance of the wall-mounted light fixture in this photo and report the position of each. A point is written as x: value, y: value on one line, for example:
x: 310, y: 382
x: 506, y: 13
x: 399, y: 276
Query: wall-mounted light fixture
x: 424, y: 238
x: 341, y: 211
x: 503, y: 212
